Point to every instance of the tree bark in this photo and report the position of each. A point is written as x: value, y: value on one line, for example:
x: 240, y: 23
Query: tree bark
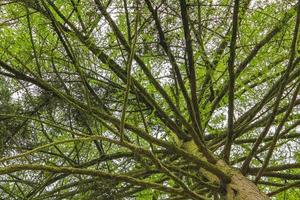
x: 240, y: 187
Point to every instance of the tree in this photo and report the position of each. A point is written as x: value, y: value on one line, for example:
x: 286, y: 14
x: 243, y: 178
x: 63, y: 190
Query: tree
x: 149, y: 99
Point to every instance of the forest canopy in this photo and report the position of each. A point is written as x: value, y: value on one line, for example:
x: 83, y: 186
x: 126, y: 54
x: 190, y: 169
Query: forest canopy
x: 149, y: 99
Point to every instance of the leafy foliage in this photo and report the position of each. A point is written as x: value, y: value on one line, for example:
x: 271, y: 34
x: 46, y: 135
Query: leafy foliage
x: 149, y: 99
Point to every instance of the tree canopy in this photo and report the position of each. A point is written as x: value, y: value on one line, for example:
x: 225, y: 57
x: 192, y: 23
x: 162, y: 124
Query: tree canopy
x: 149, y: 99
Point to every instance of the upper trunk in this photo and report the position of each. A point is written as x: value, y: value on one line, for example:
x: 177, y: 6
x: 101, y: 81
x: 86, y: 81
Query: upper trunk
x: 240, y: 187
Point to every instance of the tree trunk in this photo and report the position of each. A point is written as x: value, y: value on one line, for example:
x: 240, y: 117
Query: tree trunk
x: 240, y: 187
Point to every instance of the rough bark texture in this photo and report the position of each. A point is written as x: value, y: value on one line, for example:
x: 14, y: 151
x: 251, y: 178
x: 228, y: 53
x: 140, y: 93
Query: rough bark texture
x: 240, y: 187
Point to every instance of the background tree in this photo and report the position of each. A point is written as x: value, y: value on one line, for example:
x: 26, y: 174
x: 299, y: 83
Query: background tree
x: 149, y: 99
